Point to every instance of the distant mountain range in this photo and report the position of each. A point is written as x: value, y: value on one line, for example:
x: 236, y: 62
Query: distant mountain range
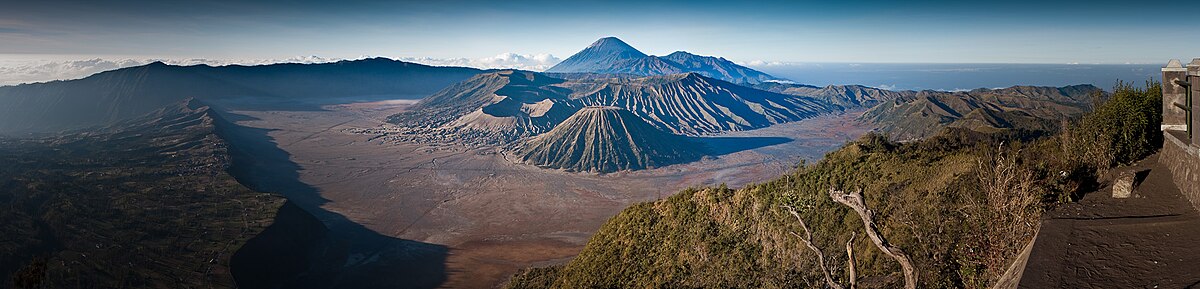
x: 527, y: 111
x: 848, y: 96
x: 679, y: 94
x: 916, y: 115
x: 911, y: 114
x: 129, y: 92
x: 610, y: 55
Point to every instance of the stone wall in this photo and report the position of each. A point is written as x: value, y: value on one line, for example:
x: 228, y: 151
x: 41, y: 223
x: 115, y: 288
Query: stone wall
x: 1184, y: 162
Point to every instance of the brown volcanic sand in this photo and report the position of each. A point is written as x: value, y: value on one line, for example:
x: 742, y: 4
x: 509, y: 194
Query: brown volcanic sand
x: 1151, y: 240
x: 494, y: 215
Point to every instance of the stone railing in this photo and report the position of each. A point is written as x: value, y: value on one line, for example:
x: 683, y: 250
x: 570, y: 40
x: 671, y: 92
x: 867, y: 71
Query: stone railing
x: 1184, y: 162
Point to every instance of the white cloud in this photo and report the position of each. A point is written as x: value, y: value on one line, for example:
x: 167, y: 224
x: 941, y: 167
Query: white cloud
x: 220, y: 62
x: 14, y: 72
x: 762, y: 63
x: 535, y: 62
x: 28, y: 71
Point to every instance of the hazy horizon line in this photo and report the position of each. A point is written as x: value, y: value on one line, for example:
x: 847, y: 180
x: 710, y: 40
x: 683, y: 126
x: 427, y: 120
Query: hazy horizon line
x: 87, y: 57
x: 38, y: 70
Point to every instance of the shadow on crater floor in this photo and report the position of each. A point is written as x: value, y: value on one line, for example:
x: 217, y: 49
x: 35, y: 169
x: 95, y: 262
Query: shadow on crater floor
x: 310, y: 247
x: 250, y: 103
x: 719, y: 146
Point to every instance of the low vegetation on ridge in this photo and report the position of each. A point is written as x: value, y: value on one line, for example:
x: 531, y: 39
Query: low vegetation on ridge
x: 961, y: 204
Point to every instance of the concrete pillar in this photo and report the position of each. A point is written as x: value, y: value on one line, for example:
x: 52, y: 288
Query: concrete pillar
x: 1193, y: 71
x: 1173, y: 117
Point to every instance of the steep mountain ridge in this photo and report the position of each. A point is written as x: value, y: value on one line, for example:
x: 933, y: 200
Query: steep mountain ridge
x: 649, y: 65
x: 147, y: 203
x: 502, y: 107
x: 848, y: 96
x: 692, y: 104
x: 102, y: 98
x: 528, y: 106
x: 718, y: 67
x: 607, y: 139
x: 918, y: 114
x: 124, y: 93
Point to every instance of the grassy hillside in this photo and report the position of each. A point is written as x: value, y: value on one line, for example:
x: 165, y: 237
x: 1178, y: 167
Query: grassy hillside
x: 960, y: 204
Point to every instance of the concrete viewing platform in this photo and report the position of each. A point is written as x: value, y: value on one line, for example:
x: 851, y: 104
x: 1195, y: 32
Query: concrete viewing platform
x: 1149, y: 240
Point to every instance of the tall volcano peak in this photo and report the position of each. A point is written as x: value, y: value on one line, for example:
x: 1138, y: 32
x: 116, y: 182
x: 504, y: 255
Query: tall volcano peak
x: 613, y: 56
x: 614, y: 44
x: 607, y: 55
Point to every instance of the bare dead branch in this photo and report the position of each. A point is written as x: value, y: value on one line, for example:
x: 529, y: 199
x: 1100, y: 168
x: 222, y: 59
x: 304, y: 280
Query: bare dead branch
x: 854, y: 200
x: 807, y: 239
x: 850, y: 261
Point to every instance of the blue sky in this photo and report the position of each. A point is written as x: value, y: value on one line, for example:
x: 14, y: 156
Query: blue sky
x: 782, y: 31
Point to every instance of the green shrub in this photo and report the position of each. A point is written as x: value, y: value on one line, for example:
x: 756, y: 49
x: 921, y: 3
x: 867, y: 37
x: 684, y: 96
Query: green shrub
x: 540, y: 277
x: 1124, y: 128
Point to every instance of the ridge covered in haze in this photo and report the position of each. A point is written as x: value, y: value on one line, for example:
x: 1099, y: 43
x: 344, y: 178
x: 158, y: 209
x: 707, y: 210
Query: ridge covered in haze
x: 128, y: 92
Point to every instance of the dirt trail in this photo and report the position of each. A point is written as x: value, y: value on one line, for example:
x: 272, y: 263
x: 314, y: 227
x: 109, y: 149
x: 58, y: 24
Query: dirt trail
x: 1151, y: 240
